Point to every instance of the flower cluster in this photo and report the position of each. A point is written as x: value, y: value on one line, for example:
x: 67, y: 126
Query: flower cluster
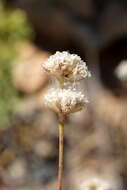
x: 66, y: 68
x: 65, y: 101
x: 121, y: 71
x: 95, y: 183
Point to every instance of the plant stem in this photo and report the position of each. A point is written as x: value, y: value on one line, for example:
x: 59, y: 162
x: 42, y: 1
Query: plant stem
x: 61, y: 154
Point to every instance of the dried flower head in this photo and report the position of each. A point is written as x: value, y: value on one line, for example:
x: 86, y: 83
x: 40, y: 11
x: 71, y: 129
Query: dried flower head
x: 95, y: 183
x: 65, y: 101
x: 66, y: 67
x: 121, y: 71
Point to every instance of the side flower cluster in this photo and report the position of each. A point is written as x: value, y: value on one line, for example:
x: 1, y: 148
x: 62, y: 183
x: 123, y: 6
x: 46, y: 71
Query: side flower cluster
x: 97, y: 183
x: 66, y: 68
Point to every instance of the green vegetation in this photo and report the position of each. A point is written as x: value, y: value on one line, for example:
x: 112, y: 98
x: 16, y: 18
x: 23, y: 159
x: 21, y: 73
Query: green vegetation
x: 13, y: 29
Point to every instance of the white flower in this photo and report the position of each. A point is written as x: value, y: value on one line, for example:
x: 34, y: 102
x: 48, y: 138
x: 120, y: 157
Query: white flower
x: 96, y: 183
x: 65, y: 101
x: 121, y: 70
x: 66, y: 67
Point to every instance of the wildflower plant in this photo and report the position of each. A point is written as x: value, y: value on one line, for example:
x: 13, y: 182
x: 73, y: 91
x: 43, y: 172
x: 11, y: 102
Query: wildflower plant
x: 68, y: 69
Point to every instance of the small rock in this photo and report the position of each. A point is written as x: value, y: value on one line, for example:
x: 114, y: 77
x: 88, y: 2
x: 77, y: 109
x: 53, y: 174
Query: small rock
x: 28, y: 75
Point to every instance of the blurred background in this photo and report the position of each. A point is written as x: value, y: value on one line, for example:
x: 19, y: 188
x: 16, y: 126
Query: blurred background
x: 95, y: 138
